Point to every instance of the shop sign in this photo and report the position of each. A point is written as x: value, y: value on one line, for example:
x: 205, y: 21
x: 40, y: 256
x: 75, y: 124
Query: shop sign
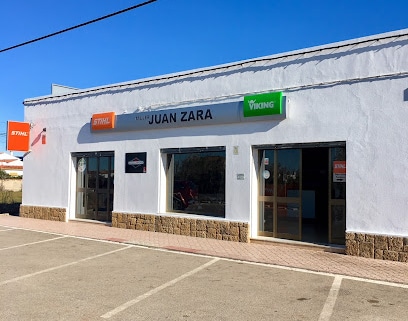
x: 18, y: 136
x: 103, y: 121
x: 179, y: 117
x: 208, y: 115
x: 339, y: 171
x: 135, y: 162
x: 171, y: 118
x: 263, y: 104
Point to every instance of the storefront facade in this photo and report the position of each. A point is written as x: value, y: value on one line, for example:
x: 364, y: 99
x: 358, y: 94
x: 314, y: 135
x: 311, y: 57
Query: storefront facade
x: 256, y: 149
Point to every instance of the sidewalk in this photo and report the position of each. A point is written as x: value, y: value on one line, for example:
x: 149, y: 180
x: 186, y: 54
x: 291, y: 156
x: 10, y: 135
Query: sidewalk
x: 314, y: 259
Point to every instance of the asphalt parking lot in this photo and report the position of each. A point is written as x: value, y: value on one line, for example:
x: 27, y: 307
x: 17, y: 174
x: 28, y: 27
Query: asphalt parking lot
x: 46, y: 276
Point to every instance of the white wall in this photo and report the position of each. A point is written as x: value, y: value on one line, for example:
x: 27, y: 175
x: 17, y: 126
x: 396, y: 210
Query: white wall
x: 354, y: 93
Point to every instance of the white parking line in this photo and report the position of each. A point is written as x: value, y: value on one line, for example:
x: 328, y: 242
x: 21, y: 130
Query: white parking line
x: 61, y: 266
x: 155, y: 290
x: 346, y: 277
x: 328, y: 307
x: 26, y: 244
x: 9, y: 229
x: 282, y: 267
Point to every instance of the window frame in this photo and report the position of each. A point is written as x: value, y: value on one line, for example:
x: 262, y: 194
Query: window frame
x: 170, y: 179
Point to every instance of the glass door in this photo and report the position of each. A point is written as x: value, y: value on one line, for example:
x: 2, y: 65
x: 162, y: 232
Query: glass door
x: 267, y: 192
x: 280, y: 193
x: 337, y: 195
x: 95, y: 182
x: 302, y: 192
x: 288, y: 200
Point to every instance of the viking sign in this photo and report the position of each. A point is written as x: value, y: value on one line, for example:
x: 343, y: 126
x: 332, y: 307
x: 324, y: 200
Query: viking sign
x: 263, y: 104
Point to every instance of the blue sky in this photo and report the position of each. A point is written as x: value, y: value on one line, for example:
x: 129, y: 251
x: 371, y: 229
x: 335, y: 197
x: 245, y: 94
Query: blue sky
x: 164, y: 37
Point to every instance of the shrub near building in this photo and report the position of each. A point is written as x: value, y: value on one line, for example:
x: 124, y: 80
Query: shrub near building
x: 9, y: 200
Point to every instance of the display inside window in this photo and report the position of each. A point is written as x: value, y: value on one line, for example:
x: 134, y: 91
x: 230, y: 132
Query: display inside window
x: 196, y: 182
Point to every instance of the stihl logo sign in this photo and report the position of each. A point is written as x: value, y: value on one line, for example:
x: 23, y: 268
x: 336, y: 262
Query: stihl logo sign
x: 103, y: 121
x: 19, y: 133
x: 18, y: 136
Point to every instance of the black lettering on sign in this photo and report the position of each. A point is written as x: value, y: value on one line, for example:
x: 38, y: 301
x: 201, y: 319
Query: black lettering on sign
x: 208, y: 114
x: 191, y: 116
x: 167, y: 118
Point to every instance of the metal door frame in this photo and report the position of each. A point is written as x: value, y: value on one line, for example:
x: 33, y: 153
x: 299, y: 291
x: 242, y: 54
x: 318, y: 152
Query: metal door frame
x: 333, y: 201
x: 275, y: 199
x: 109, y: 191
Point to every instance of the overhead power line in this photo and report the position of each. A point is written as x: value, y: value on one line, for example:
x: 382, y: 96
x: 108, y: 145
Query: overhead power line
x: 79, y: 26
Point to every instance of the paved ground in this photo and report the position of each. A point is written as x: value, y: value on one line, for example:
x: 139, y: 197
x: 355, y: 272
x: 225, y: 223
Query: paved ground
x: 270, y: 253
x: 82, y: 271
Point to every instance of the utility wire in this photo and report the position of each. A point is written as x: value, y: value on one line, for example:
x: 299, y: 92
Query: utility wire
x: 79, y: 26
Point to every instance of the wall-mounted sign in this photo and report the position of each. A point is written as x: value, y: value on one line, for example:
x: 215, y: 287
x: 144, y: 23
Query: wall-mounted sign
x: 82, y: 165
x: 174, y: 118
x: 216, y: 114
x: 263, y: 104
x: 103, y: 121
x: 18, y: 136
x: 266, y: 174
x: 135, y: 163
x: 339, y: 171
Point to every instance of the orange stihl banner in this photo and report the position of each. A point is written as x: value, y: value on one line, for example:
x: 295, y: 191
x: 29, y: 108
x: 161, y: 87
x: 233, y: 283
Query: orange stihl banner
x: 103, y: 121
x: 18, y: 136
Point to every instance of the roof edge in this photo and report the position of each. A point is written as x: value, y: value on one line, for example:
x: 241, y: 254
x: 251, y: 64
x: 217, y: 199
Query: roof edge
x: 343, y: 43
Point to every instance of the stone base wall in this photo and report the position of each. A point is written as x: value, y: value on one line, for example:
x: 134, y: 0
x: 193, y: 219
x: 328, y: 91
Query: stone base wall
x: 43, y: 213
x: 381, y: 247
x: 213, y: 229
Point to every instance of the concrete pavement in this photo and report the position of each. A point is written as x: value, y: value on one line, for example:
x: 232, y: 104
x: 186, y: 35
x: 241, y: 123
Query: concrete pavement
x: 280, y: 254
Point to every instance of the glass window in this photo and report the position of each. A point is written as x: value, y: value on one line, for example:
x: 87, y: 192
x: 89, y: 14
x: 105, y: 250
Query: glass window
x: 338, y: 186
x: 288, y: 172
x: 196, y: 181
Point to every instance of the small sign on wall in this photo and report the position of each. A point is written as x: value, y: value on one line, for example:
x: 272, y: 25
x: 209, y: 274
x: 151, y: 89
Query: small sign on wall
x: 339, y: 171
x: 135, y: 163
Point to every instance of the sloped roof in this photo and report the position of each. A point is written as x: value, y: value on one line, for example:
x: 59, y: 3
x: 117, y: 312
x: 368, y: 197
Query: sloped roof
x: 16, y: 162
x: 4, y: 157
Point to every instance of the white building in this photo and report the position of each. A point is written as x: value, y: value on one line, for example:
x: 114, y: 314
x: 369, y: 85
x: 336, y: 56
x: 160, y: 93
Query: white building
x: 178, y: 154
x: 11, y: 165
